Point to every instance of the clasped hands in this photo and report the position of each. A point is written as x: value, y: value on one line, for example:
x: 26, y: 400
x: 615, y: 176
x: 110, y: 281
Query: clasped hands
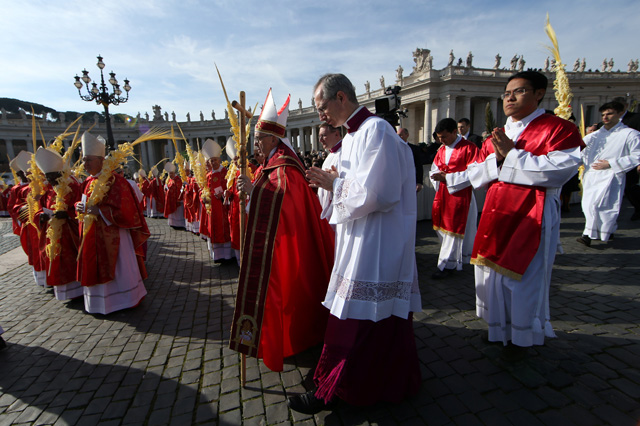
x: 501, y: 144
x: 319, y: 178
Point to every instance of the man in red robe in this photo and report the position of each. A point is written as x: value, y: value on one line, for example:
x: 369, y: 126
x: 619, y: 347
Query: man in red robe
x: 191, y: 200
x: 525, y: 165
x: 111, y: 261
x: 173, y: 202
x: 155, y: 208
x: 285, y: 262
x: 454, y: 212
x: 28, y: 233
x: 60, y: 267
x: 217, y: 217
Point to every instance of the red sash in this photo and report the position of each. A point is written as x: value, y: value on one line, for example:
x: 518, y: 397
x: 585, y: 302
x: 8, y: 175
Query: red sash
x: 510, y: 228
x: 450, y: 211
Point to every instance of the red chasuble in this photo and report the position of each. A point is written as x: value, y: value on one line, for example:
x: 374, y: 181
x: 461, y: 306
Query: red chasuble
x: 145, y: 188
x: 286, y: 263
x: 29, y: 238
x: 17, y: 199
x: 218, y: 220
x: 172, y: 196
x: 510, y: 227
x: 62, y: 270
x: 99, y: 254
x: 157, y: 193
x: 450, y: 211
x: 234, y: 214
x: 191, y: 200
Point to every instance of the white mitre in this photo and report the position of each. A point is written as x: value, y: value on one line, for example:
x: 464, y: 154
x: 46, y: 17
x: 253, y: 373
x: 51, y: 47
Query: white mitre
x: 169, y: 167
x: 211, y: 149
x: 49, y: 161
x: 21, y: 162
x: 92, y: 145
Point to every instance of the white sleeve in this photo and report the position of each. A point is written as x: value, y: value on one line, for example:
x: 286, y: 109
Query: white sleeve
x: 628, y: 162
x: 457, y: 181
x: 375, y: 183
x: 434, y: 170
x: 481, y: 174
x: 550, y: 171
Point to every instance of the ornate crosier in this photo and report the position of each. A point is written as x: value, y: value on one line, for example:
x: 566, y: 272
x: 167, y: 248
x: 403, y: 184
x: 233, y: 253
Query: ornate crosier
x: 561, y: 83
x: 235, y: 129
x: 100, y: 186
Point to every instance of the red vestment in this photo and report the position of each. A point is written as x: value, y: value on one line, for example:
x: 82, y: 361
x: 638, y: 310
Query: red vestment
x: 192, y: 200
x: 285, y: 266
x: 218, y: 220
x: 157, y: 193
x: 450, y: 211
x: 145, y: 188
x: 173, y: 195
x: 28, y: 234
x: 99, y: 253
x: 510, y: 227
x: 16, y: 197
x: 62, y: 270
x: 234, y: 214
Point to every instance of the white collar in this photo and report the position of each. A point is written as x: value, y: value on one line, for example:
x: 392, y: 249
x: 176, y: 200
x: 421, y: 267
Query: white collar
x: 513, y: 128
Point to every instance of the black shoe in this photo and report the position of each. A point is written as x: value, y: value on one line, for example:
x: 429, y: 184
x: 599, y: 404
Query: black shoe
x: 584, y: 240
x: 635, y: 216
x: 307, y: 403
x: 3, y: 344
x: 439, y: 275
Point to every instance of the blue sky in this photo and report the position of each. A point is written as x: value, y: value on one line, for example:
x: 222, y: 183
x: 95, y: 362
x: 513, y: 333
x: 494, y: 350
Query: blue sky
x: 167, y: 49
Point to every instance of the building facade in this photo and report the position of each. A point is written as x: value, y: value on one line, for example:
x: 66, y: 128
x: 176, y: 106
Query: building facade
x: 427, y: 95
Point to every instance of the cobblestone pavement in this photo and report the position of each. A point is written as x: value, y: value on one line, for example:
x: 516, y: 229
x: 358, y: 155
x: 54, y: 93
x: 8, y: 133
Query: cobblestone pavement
x: 167, y: 361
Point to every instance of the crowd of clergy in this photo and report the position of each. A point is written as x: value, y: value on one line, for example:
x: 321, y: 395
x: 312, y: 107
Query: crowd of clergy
x: 346, y: 275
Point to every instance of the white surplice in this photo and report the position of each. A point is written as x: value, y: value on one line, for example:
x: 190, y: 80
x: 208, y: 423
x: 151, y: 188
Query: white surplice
x: 602, y: 190
x: 455, y: 251
x: 374, y: 210
x: 519, y: 310
x: 326, y: 196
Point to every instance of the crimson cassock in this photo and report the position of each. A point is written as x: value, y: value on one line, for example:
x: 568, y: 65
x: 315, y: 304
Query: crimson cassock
x: 286, y: 262
x: 172, y: 196
x: 99, y: 250
x: 62, y: 269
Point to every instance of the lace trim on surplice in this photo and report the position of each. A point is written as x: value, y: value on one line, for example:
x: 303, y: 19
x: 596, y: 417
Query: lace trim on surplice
x: 370, y: 291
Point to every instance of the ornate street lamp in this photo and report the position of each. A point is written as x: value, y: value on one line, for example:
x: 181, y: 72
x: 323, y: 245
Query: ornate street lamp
x: 102, y: 96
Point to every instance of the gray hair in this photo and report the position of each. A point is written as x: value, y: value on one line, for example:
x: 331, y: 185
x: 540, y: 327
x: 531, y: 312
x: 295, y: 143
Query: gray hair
x: 334, y: 83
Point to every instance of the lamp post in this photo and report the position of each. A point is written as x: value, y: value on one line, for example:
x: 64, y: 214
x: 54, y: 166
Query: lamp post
x: 102, y: 96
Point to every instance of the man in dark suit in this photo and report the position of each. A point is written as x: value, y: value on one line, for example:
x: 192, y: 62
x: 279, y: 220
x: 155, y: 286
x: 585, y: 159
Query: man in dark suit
x: 464, y: 129
x: 631, y: 189
x: 417, y: 157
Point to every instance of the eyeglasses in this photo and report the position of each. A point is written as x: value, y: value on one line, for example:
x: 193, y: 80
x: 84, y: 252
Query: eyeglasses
x: 516, y: 93
x: 322, y: 107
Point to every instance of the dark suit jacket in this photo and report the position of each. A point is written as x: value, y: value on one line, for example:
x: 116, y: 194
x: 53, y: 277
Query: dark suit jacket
x: 477, y: 140
x: 632, y: 119
x: 417, y: 162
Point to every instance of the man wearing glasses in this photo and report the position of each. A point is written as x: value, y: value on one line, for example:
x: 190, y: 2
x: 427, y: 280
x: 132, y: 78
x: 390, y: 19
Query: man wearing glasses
x: 525, y: 164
